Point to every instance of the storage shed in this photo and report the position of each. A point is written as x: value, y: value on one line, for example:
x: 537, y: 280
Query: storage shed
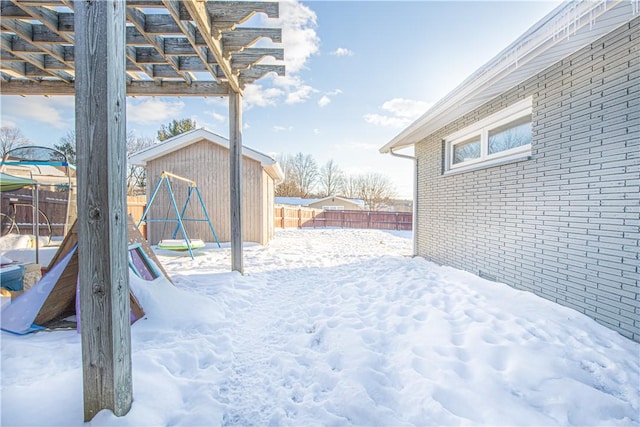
x: 527, y: 173
x: 203, y: 156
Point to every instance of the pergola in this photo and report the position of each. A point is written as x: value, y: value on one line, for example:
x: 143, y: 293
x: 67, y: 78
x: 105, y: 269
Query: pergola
x: 100, y: 51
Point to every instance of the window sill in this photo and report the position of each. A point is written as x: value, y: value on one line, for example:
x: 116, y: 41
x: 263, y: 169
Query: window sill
x: 489, y: 164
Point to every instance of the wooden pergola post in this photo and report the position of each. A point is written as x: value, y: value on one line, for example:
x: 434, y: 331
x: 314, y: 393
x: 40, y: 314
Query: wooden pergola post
x: 235, y: 167
x: 102, y: 217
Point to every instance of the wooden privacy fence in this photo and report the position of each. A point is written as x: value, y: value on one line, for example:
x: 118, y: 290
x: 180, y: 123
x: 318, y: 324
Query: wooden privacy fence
x: 53, y: 204
x: 298, y: 217
x: 135, y: 207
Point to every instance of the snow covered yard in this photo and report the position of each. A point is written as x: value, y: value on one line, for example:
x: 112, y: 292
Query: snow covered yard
x: 337, y: 327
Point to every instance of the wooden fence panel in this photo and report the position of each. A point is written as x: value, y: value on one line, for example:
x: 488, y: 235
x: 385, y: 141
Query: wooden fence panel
x: 298, y: 217
x: 135, y: 208
x: 53, y: 204
x: 19, y: 205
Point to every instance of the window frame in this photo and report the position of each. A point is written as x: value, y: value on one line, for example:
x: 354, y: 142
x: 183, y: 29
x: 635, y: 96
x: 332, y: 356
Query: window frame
x: 481, y: 129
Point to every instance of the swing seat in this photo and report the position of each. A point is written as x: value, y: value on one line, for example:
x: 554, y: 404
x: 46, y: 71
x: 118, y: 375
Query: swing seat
x: 179, y: 244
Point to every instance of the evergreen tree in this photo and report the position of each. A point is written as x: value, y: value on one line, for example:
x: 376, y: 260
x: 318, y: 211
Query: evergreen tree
x: 176, y: 127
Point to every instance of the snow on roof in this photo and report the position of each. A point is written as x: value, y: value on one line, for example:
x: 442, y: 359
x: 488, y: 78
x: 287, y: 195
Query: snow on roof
x: 294, y: 201
x: 565, y: 30
x: 190, y: 137
x: 299, y: 201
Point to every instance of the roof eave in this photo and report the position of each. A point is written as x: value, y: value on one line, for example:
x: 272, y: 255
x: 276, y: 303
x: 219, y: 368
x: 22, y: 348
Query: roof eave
x: 571, y: 23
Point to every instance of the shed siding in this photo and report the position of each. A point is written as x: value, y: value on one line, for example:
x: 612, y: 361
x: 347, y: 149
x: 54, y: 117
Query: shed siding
x: 208, y: 165
x: 564, y: 224
x: 268, y: 203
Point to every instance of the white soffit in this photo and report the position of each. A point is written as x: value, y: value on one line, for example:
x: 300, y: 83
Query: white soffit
x: 565, y: 30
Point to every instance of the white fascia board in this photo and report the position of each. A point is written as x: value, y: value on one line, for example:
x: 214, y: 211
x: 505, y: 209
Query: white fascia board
x: 565, y: 30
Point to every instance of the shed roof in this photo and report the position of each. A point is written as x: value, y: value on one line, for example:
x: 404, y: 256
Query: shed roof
x: 185, y: 139
x: 300, y: 201
x: 565, y: 30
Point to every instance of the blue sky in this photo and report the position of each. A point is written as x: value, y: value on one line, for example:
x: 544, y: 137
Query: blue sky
x: 358, y: 72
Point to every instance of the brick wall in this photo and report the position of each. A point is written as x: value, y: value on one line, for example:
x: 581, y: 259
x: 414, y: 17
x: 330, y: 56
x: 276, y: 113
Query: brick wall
x: 564, y: 224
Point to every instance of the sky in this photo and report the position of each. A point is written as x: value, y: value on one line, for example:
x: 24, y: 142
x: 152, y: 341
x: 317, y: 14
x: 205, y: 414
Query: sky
x: 358, y: 73
x: 334, y: 327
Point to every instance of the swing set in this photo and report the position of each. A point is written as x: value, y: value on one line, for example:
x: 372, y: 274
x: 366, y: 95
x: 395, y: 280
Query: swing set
x: 173, y: 244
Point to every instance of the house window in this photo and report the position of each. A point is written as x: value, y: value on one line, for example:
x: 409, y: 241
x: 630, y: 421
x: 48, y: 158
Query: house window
x: 466, y: 151
x: 502, y: 137
x: 512, y: 135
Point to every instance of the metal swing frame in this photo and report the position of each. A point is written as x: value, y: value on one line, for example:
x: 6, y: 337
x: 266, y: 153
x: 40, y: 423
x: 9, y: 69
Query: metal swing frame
x: 180, y: 219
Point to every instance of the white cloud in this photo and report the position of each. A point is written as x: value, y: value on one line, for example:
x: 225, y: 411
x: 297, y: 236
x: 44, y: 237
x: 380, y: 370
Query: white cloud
x: 300, y: 94
x: 409, y: 108
x: 7, y: 122
x: 324, y: 101
x: 260, y: 96
x: 299, y: 41
x: 299, y: 37
x: 221, y: 101
x: 290, y: 88
x: 218, y: 117
x: 153, y: 110
x: 401, y: 112
x: 316, y: 131
x: 386, y: 121
x: 50, y: 111
x: 342, y: 51
x: 326, y: 98
x: 277, y: 128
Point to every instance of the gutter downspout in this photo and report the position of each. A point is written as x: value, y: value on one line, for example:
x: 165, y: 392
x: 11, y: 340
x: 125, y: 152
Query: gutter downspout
x: 415, y: 195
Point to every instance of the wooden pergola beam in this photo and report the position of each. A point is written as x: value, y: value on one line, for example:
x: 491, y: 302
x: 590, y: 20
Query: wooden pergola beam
x: 227, y: 14
x: 134, y: 88
x: 258, y: 71
x: 192, y: 37
x: 248, y: 57
x: 190, y: 31
x: 139, y: 20
x: 198, y: 12
x: 241, y: 38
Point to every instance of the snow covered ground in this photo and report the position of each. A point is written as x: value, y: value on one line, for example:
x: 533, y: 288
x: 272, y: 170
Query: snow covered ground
x: 337, y: 327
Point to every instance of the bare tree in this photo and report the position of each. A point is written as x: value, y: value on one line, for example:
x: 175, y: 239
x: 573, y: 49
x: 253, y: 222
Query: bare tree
x: 300, y: 175
x: 330, y: 179
x: 136, y: 175
x: 10, y: 138
x: 304, y: 173
x: 351, y: 187
x: 286, y: 188
x: 376, y: 190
